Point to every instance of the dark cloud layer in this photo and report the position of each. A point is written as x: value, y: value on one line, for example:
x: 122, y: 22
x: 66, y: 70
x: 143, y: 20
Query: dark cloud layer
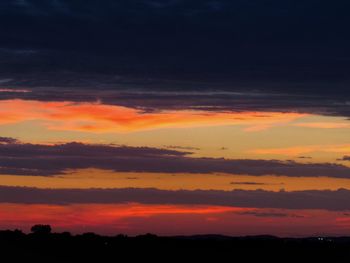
x: 8, y: 140
x: 290, y: 45
x: 273, y: 55
x: 151, y: 97
x: 312, y: 199
x: 48, y: 160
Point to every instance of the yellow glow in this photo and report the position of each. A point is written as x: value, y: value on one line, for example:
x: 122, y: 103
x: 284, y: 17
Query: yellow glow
x: 298, y: 150
x: 324, y: 125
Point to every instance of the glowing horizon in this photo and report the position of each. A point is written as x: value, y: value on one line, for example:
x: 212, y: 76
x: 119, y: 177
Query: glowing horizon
x: 75, y: 145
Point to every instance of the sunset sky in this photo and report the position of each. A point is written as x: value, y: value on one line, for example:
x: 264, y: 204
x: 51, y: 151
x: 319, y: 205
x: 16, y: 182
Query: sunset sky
x: 175, y: 117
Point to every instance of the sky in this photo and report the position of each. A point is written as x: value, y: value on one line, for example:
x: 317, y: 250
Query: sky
x: 175, y: 117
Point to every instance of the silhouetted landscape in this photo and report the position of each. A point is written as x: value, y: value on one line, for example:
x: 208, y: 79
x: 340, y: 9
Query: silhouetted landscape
x: 41, y: 245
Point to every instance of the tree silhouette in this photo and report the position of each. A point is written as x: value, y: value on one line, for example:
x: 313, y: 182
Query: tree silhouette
x: 41, y: 229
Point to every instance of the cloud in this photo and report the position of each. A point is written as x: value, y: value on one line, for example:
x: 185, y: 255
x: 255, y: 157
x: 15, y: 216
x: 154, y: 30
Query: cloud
x: 311, y: 199
x: 48, y: 160
x: 161, y: 95
x: 97, y: 117
x: 8, y: 140
x: 345, y: 158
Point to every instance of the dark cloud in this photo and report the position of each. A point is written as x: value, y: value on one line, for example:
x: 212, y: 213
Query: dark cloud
x: 175, y: 54
x: 345, y: 158
x: 48, y: 160
x: 312, y: 199
x: 290, y: 46
x: 152, y: 97
x: 8, y: 140
x: 17, y: 149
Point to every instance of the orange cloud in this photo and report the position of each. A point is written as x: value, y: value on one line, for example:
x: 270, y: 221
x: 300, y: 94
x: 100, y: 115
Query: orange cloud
x: 97, y: 117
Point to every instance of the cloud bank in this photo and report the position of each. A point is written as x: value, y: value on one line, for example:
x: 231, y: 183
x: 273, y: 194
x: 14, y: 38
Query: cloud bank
x: 48, y: 160
x: 312, y: 199
x: 288, y: 47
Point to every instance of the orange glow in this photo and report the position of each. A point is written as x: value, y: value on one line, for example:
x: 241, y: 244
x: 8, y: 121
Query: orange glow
x: 96, y: 117
x: 298, y: 150
x: 97, y: 214
x: 134, y: 219
x: 102, y: 213
x: 343, y: 221
x: 106, y: 212
x: 94, y: 178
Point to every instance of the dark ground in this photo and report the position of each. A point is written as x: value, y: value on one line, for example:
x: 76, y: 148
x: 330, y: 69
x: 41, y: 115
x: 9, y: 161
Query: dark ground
x: 64, y: 247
